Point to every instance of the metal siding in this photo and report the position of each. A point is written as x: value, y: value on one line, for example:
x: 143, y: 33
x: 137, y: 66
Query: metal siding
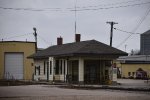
x: 145, y: 44
x: 14, y: 65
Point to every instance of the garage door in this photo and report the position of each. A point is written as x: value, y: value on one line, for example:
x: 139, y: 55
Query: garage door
x: 14, y: 65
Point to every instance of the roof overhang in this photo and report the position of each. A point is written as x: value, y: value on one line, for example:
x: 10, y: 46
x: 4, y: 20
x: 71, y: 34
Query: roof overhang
x: 111, y: 56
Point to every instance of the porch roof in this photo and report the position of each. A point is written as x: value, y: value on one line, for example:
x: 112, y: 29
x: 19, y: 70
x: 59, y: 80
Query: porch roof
x: 83, y: 48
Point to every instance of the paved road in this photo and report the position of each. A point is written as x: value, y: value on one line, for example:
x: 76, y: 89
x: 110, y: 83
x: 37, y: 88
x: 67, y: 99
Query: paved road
x: 46, y: 92
x: 49, y: 92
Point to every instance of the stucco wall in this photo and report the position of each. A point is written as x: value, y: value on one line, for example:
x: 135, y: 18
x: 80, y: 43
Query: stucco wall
x: 61, y: 77
x: 133, y: 67
x: 42, y: 76
x: 28, y: 48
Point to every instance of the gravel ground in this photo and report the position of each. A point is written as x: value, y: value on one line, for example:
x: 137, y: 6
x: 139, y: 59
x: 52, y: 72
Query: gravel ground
x: 132, y: 83
x: 50, y: 92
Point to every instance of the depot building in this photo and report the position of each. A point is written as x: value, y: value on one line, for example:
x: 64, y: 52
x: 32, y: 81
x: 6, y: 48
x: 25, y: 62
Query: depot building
x: 87, y: 62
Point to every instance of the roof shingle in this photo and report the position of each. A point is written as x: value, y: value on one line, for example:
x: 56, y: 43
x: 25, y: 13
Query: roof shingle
x: 90, y: 47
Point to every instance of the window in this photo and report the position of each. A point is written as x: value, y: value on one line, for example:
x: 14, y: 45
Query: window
x: 60, y: 66
x: 129, y: 73
x: 64, y: 66
x: 35, y: 70
x: 108, y: 63
x: 39, y: 69
x: 44, y: 68
x: 133, y: 73
x: 57, y: 67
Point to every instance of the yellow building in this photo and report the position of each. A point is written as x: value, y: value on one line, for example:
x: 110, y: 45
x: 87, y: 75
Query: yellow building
x: 136, y: 66
x: 13, y: 60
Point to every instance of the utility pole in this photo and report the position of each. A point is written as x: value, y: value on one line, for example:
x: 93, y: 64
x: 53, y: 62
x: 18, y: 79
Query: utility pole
x: 111, y: 31
x: 35, y: 35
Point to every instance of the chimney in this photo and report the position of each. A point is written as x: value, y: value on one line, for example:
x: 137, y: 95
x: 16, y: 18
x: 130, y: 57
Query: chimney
x: 59, y: 40
x: 77, y: 37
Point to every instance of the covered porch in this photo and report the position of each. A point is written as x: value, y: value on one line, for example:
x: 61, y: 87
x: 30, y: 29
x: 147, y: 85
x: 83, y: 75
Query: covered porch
x: 82, y: 70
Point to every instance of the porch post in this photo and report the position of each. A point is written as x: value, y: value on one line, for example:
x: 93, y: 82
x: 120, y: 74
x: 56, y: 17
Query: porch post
x: 62, y: 65
x: 52, y: 68
x: 59, y: 66
x: 66, y: 70
x: 81, y: 70
x: 63, y: 74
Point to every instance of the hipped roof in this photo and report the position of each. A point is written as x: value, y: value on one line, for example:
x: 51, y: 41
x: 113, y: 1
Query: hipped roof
x: 83, y: 48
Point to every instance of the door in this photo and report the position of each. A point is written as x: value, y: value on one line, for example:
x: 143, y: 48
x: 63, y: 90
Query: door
x: 75, y: 71
x: 92, y: 72
x: 14, y: 65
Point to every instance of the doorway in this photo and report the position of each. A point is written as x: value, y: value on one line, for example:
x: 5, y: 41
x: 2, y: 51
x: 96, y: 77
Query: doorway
x: 75, y: 71
x: 91, y: 72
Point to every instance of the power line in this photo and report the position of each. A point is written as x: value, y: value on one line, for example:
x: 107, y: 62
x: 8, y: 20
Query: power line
x: 6, y: 34
x: 31, y: 9
x: 73, y: 9
x: 43, y: 39
x: 17, y: 36
x: 125, y: 31
x: 107, y: 4
x: 138, y: 25
x: 105, y: 8
x: 26, y: 35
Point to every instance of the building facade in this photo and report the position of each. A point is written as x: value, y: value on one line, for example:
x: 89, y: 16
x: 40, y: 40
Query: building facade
x: 136, y: 66
x: 87, y: 62
x: 13, y: 60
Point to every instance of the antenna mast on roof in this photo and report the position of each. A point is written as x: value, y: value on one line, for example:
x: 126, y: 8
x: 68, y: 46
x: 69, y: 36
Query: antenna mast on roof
x: 75, y: 13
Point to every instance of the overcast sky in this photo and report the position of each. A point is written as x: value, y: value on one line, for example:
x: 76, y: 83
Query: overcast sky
x: 54, y: 18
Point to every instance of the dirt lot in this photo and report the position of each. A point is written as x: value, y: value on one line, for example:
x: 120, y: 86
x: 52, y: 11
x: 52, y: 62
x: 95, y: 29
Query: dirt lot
x: 51, y: 92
